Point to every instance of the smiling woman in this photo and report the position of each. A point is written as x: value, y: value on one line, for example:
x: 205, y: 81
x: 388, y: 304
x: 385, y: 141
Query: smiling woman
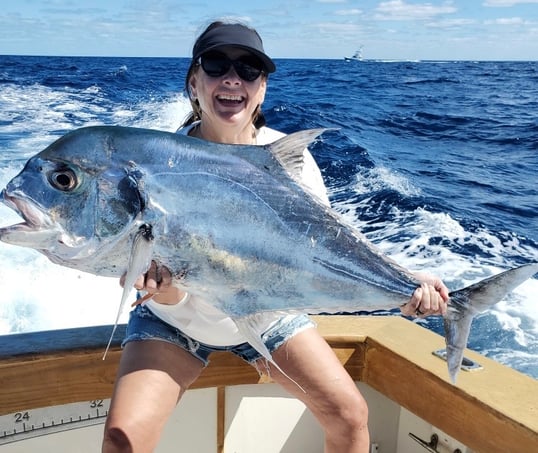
x: 223, y: 94
x: 227, y: 90
x: 226, y: 83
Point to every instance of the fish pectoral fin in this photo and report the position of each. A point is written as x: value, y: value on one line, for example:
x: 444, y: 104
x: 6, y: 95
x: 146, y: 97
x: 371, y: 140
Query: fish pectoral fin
x: 139, y: 262
x: 251, y: 327
x: 140, y: 258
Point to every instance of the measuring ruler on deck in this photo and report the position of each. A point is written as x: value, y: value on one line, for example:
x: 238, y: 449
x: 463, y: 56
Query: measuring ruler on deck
x: 40, y: 422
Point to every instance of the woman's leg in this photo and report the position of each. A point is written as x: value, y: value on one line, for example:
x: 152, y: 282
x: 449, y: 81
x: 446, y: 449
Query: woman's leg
x: 152, y: 377
x: 331, y: 394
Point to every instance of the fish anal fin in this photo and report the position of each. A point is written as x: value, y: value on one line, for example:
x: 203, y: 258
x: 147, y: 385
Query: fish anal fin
x: 251, y: 328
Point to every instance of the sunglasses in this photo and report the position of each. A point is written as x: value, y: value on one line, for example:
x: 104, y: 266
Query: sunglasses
x: 216, y: 64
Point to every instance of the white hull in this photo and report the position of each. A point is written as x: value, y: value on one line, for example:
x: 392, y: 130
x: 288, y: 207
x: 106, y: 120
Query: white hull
x: 258, y: 418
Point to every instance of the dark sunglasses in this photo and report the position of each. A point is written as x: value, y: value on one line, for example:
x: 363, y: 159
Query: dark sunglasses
x: 216, y: 64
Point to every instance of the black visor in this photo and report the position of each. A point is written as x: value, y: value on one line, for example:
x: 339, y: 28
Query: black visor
x: 233, y: 35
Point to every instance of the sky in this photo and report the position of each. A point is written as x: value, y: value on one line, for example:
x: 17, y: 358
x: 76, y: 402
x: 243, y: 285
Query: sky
x: 396, y: 29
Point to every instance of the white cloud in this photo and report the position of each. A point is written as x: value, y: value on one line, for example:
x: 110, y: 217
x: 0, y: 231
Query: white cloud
x: 348, y: 12
x: 400, y: 10
x: 507, y: 3
x: 451, y: 23
x: 335, y: 27
x: 507, y: 21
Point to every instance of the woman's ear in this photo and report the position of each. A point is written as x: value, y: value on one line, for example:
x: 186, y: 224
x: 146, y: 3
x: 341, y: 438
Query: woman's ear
x: 192, y: 92
x: 263, y: 88
x: 192, y: 88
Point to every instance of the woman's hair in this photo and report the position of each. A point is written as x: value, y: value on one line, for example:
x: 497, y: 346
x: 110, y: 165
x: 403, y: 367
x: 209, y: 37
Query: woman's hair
x: 258, y: 119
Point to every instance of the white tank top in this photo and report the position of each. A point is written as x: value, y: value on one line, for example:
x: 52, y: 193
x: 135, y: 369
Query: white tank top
x: 199, y: 319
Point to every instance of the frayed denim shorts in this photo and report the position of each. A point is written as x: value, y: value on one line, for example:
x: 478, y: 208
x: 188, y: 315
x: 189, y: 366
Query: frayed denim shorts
x: 144, y: 325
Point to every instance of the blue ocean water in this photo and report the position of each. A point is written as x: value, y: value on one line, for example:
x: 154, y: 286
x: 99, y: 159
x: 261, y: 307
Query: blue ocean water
x: 436, y: 162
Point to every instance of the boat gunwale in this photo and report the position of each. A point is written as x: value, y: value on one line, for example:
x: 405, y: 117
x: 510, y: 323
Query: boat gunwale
x: 389, y: 353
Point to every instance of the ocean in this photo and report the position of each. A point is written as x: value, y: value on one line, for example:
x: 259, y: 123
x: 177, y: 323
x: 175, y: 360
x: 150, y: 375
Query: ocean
x: 435, y: 161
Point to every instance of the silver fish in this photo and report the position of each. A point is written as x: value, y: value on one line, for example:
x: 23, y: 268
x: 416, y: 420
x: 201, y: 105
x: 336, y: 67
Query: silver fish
x: 233, y: 223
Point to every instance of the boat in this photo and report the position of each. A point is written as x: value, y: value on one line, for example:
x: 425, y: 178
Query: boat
x: 357, y: 56
x: 55, y: 389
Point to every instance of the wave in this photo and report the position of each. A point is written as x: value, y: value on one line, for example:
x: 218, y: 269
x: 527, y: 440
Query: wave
x: 439, y: 80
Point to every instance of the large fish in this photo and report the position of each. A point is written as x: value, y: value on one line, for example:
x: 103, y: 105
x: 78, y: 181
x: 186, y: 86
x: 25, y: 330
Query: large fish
x: 233, y: 223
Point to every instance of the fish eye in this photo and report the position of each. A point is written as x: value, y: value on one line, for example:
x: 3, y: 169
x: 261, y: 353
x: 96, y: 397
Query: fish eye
x: 64, y: 179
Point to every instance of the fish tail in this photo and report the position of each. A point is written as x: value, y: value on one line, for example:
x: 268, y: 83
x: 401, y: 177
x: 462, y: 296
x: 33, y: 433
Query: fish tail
x: 466, y: 303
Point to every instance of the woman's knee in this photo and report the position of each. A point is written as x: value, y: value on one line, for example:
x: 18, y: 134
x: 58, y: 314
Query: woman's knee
x: 347, y: 414
x: 355, y: 411
x: 125, y: 435
x: 115, y: 440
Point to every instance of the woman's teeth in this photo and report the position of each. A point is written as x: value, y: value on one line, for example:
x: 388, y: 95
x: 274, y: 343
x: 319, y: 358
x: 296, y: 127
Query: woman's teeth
x: 229, y: 98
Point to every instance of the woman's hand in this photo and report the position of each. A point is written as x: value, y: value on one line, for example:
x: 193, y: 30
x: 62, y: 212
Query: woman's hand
x: 430, y: 298
x: 157, y: 282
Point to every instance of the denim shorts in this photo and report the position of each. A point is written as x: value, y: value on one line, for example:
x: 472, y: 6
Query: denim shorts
x: 144, y: 325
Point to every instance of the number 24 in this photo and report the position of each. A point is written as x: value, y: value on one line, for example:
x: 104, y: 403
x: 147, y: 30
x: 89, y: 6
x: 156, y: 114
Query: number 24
x: 22, y: 417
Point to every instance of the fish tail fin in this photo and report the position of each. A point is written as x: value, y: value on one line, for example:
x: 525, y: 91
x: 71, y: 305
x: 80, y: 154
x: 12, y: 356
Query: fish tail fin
x: 457, y: 329
x: 249, y: 327
x: 466, y: 303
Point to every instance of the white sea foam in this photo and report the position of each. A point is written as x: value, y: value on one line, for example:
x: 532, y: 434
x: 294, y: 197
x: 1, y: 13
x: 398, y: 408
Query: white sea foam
x: 381, y: 177
x: 165, y: 116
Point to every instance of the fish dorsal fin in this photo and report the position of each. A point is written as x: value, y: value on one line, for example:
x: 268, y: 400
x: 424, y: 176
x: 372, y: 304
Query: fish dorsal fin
x: 289, y: 151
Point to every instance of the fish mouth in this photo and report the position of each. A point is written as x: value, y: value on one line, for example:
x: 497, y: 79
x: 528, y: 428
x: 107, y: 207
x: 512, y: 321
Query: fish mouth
x: 37, y: 228
x: 34, y: 217
x: 40, y: 231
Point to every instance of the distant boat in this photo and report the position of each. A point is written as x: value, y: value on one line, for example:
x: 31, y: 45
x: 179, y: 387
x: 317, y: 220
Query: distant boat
x: 357, y: 56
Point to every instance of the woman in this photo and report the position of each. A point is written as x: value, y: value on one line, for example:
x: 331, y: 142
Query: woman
x: 226, y: 83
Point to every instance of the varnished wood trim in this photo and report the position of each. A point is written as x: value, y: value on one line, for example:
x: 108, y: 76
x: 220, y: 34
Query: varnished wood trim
x: 493, y: 410
x: 221, y: 417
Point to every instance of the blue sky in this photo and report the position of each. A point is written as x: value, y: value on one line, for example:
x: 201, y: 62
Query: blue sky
x: 396, y: 29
